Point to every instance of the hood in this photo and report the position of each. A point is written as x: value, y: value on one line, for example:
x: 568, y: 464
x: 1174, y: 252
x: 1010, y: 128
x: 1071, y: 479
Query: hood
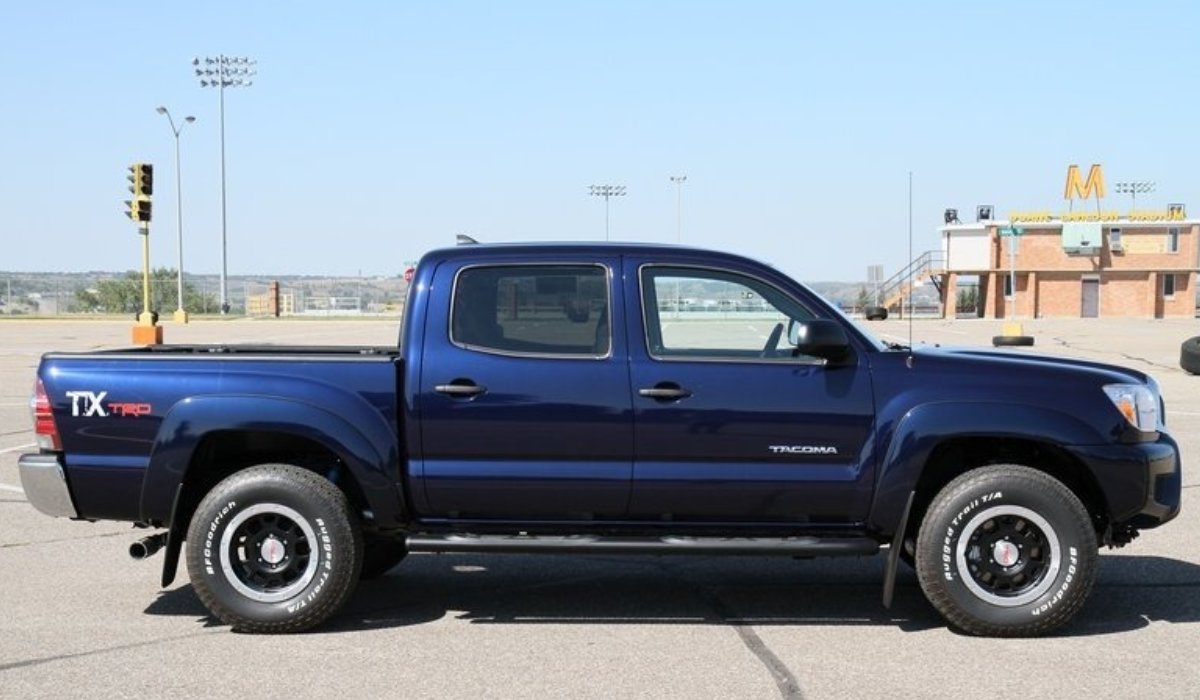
x: 1034, y: 363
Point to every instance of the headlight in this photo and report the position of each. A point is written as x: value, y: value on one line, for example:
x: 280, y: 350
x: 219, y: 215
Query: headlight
x: 1139, y: 404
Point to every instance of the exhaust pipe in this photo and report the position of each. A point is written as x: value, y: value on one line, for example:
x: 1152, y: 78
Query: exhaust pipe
x: 147, y: 546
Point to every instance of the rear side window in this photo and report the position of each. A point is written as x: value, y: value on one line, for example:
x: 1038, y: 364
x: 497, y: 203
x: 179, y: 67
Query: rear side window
x: 559, y: 310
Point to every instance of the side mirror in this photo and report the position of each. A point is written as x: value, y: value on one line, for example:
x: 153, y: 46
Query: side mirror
x: 820, y: 337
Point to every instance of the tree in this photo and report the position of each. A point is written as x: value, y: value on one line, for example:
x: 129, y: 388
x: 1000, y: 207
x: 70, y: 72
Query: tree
x: 864, y: 299
x: 124, y: 294
x: 968, y: 298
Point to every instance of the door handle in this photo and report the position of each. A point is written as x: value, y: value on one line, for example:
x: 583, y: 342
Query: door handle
x: 665, y: 391
x: 460, y: 387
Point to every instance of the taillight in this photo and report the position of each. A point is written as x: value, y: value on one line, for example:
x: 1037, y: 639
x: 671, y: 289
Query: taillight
x: 43, y: 419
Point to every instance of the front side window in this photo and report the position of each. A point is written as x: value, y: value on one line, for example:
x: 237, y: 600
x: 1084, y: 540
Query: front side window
x: 559, y: 310
x: 713, y: 314
x: 1172, y: 240
x: 1168, y: 286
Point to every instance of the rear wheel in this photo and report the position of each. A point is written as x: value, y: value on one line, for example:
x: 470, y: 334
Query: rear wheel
x: 273, y: 548
x: 1006, y: 551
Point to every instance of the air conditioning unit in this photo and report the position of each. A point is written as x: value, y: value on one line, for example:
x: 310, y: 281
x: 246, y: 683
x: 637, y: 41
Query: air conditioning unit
x: 1116, y: 247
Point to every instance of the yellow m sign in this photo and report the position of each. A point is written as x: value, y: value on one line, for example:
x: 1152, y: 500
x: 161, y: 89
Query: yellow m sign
x: 1083, y: 189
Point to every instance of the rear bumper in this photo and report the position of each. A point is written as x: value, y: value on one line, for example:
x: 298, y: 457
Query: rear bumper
x: 1142, y: 483
x: 45, y: 484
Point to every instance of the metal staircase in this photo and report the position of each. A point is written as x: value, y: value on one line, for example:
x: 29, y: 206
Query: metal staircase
x: 931, y: 264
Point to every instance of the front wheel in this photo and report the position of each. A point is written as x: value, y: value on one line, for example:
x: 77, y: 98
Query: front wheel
x: 273, y: 548
x: 1006, y: 551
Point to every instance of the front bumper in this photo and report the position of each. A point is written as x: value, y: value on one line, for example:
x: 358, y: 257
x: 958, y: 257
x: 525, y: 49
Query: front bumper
x: 45, y: 484
x: 1142, y: 483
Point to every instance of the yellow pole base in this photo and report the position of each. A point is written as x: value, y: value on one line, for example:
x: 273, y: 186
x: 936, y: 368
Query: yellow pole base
x: 181, y: 316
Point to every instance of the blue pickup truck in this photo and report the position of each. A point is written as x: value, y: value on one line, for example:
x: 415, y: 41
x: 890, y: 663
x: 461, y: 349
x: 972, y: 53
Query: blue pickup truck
x: 622, y: 399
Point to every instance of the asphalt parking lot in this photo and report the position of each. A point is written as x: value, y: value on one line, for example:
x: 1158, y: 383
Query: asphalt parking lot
x: 79, y: 618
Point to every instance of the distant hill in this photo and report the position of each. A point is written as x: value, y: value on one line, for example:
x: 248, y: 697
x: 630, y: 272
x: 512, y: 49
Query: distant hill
x: 54, y: 292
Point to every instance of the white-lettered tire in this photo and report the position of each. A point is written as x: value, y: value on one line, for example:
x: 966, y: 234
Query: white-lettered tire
x: 274, y: 548
x: 1006, y: 551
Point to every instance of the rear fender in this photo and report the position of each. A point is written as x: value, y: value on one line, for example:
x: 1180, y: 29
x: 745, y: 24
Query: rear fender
x: 358, y: 436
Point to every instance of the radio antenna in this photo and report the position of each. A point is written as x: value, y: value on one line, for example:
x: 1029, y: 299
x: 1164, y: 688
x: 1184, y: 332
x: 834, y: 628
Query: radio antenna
x: 910, y: 272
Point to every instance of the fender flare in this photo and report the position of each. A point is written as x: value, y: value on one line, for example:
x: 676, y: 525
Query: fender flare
x: 922, y: 429
x: 358, y: 436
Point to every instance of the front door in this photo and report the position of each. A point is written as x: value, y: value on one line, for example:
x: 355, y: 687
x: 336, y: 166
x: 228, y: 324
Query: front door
x: 524, y: 401
x: 729, y: 425
x: 1091, y: 297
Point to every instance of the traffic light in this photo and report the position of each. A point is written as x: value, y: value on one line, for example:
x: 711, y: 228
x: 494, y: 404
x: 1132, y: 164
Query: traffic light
x: 141, y: 179
x: 142, y: 209
x: 138, y: 210
x: 141, y: 185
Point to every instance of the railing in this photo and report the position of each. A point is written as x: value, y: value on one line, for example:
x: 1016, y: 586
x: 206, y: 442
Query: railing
x: 892, y: 289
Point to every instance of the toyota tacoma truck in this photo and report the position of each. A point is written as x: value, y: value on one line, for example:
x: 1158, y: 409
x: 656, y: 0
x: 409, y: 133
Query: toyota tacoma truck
x: 603, y: 398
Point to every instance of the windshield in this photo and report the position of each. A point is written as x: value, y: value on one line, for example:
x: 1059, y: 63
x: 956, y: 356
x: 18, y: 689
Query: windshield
x: 862, y: 331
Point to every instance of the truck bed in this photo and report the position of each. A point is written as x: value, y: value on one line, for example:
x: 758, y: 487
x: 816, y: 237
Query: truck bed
x: 290, y: 351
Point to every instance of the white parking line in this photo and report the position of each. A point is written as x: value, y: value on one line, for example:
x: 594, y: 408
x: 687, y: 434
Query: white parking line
x: 12, y: 489
x: 18, y: 448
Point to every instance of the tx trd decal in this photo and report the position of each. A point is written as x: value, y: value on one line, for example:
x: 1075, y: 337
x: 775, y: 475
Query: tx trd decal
x: 803, y: 449
x: 91, y: 404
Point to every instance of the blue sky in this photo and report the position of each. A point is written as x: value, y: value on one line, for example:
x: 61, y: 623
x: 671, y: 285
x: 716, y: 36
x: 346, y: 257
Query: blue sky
x: 374, y: 132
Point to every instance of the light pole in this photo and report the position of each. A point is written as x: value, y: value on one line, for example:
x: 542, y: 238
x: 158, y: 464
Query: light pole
x: 222, y: 72
x: 679, y: 180
x: 180, y: 314
x: 1133, y: 189
x: 606, y: 191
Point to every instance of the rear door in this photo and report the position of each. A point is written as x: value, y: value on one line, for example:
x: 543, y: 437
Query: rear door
x: 524, y: 400
x: 729, y: 425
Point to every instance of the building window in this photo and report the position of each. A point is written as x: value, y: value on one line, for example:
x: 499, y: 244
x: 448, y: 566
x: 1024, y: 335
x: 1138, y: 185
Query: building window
x: 1008, y: 286
x: 1168, y: 286
x: 1114, y: 239
x: 1173, y: 240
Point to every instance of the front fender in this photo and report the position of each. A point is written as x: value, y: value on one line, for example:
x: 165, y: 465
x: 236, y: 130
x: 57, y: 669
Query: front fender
x: 359, y: 437
x: 923, y: 428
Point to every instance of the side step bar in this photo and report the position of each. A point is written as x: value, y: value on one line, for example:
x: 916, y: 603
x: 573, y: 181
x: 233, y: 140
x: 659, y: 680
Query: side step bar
x: 597, y: 544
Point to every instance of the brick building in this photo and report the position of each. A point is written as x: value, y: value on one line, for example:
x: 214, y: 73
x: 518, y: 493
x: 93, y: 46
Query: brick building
x: 1102, y: 265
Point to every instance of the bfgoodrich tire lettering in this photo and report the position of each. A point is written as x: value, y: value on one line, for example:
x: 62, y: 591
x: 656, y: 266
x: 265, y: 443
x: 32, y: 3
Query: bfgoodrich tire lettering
x: 1006, y: 551
x: 273, y: 548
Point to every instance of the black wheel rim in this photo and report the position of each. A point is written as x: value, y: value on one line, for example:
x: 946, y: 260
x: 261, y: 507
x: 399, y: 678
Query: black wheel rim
x: 269, y: 552
x: 1008, y: 555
